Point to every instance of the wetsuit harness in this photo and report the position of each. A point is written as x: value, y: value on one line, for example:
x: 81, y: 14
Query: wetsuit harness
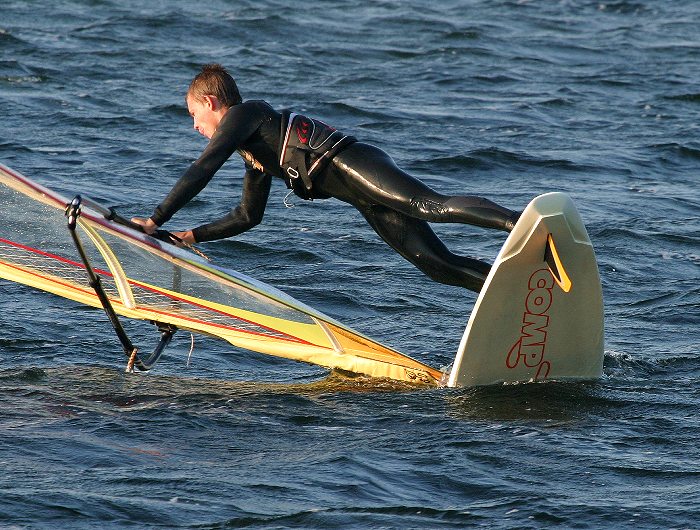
x: 306, y: 147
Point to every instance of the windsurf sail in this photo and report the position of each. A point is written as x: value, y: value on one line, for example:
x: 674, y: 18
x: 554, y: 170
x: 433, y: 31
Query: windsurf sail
x: 147, y: 279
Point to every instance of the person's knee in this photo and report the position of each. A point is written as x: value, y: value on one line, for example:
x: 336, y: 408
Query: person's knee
x: 429, y: 209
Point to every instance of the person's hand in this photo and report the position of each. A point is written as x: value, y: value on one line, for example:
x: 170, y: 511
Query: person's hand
x: 185, y: 237
x: 147, y: 224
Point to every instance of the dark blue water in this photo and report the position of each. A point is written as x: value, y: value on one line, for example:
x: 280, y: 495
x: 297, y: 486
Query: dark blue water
x: 506, y: 99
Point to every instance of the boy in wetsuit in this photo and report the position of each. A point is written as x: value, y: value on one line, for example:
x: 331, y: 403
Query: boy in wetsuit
x: 318, y: 162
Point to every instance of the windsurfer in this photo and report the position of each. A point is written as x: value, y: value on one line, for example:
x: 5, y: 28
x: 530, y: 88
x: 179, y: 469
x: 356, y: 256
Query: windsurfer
x: 318, y: 162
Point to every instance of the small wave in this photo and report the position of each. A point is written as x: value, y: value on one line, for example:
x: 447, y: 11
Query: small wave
x: 169, y: 110
x: 615, y: 362
x: 649, y: 472
x: 677, y: 150
x: 496, y: 79
x: 624, y: 8
x: 506, y: 158
x: 694, y: 98
x: 400, y: 54
x: 627, y: 368
x: 97, y: 122
x: 25, y: 375
x: 461, y: 34
x: 494, y: 158
x: 680, y: 363
x: 13, y: 147
x: 556, y: 102
x: 352, y: 110
x: 380, y: 516
x: 671, y: 307
x: 256, y: 16
x: 618, y: 232
x: 551, y: 401
x: 21, y: 79
x: 8, y: 39
x: 18, y: 72
x: 451, y: 163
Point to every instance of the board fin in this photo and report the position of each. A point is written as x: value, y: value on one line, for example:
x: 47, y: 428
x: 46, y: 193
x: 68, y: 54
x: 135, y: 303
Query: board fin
x: 551, y: 257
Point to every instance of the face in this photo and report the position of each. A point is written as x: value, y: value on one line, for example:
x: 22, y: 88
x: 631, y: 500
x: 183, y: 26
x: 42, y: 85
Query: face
x: 206, y: 114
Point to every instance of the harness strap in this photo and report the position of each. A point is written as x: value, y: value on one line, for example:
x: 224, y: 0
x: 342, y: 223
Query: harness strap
x: 306, y: 146
x: 293, y: 157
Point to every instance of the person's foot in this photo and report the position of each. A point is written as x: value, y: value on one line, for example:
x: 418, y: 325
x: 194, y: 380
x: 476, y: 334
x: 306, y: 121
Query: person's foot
x: 512, y: 221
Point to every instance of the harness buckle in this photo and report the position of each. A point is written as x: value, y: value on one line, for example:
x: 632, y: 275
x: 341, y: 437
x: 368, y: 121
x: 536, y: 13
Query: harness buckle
x: 293, y: 173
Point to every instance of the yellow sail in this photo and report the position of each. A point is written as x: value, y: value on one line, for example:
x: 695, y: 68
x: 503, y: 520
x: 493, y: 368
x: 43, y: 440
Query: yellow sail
x: 147, y: 279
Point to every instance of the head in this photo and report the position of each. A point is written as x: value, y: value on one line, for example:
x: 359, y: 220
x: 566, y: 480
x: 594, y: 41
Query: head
x: 211, y: 93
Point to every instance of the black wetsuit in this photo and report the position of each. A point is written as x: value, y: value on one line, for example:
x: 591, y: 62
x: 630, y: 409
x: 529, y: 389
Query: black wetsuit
x: 396, y: 205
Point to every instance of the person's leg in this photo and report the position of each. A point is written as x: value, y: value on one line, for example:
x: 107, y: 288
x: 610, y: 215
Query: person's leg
x: 364, y: 173
x: 416, y: 241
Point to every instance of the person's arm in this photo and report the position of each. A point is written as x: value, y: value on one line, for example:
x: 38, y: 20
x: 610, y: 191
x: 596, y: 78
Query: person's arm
x: 249, y: 213
x: 239, y: 123
x: 194, y: 179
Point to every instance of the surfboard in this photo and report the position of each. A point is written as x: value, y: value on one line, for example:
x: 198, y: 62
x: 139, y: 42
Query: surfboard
x: 539, y: 316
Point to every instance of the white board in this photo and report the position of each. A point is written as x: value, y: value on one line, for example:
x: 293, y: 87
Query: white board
x: 525, y: 326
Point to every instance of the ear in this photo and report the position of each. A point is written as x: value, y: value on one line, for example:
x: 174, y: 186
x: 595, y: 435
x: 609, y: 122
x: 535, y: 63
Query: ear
x: 212, y: 103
